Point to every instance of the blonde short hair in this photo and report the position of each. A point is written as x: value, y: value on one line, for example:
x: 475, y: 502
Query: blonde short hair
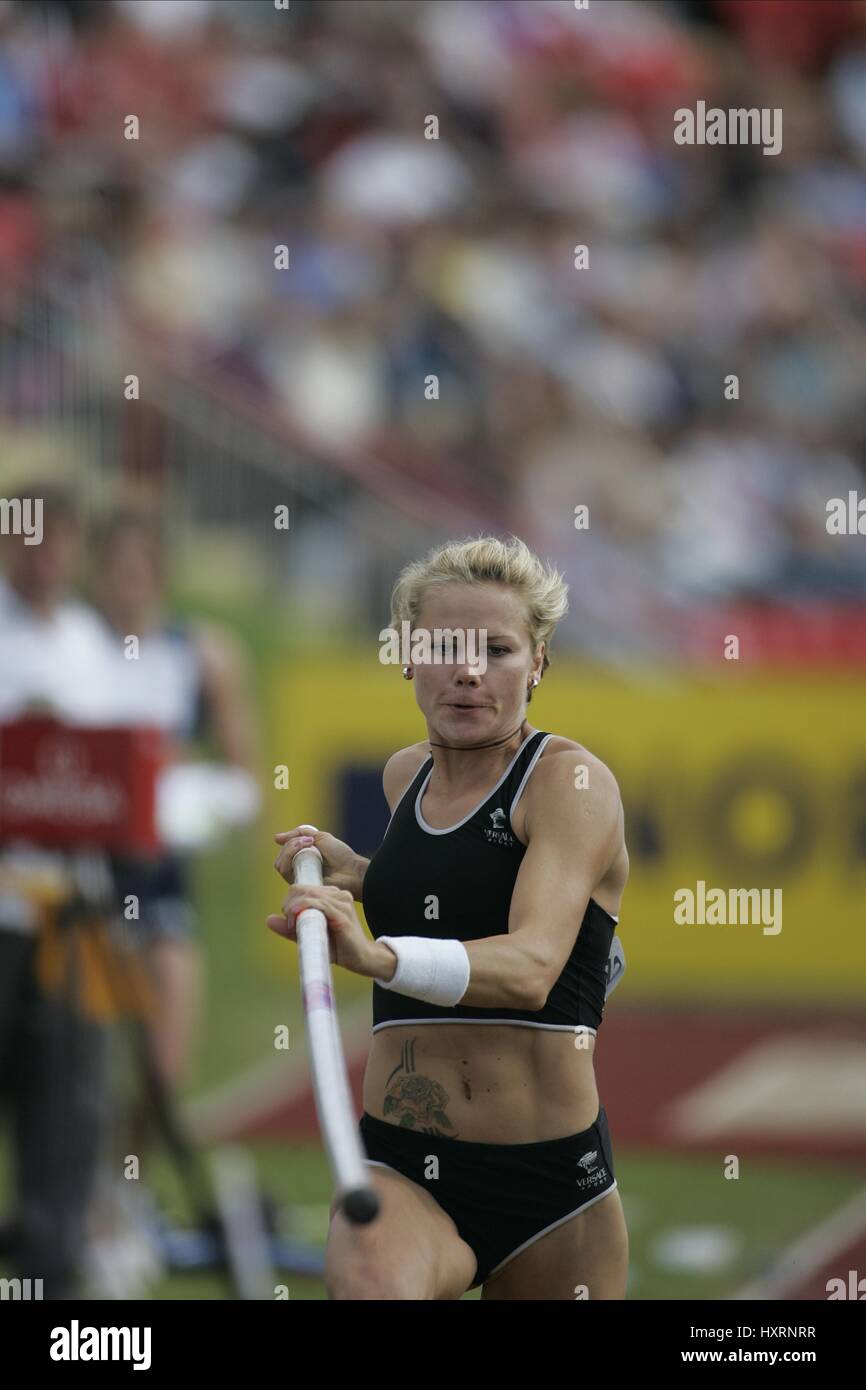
x: 487, y: 560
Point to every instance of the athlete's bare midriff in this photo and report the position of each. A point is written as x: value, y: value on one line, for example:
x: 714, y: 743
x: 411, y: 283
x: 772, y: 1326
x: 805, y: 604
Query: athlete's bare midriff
x: 485, y: 1082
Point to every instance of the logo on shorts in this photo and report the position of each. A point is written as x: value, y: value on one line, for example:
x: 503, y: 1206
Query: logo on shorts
x: 496, y: 833
x: 596, y: 1175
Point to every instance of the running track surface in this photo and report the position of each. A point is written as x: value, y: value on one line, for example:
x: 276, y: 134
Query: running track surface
x: 757, y: 1083
x: 775, y: 1084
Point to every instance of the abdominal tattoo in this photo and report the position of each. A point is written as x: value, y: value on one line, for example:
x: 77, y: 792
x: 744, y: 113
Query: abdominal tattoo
x: 416, y: 1102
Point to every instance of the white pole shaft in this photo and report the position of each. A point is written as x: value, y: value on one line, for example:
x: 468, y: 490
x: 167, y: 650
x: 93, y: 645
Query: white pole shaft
x: 334, y: 1107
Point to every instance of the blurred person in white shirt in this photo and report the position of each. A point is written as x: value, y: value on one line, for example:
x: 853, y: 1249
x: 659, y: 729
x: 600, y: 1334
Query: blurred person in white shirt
x: 53, y: 1046
x: 190, y: 679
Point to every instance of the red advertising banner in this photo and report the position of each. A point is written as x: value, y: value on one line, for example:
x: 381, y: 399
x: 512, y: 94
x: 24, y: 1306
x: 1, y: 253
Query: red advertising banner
x: 66, y: 787
x: 794, y: 635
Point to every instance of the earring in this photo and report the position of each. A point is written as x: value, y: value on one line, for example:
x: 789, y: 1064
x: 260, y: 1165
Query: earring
x: 407, y: 673
x: 533, y: 683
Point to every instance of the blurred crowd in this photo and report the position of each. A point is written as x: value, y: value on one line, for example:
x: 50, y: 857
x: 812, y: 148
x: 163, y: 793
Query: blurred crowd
x: 307, y: 126
x: 455, y: 256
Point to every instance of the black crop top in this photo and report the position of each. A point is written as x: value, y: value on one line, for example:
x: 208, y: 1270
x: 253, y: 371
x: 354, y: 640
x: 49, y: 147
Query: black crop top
x: 470, y: 869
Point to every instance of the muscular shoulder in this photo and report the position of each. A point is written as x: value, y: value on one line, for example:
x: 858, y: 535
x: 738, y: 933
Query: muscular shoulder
x: 400, y: 769
x: 571, y: 783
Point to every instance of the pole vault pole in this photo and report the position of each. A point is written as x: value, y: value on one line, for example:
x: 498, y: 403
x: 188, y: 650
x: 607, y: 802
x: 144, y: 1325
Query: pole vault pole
x: 357, y: 1197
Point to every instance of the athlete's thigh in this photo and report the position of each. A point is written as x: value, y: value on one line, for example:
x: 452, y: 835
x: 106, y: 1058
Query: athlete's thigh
x: 412, y: 1250
x: 586, y: 1257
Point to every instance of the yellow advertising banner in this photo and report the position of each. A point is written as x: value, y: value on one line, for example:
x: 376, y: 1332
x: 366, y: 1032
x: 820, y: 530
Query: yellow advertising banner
x: 744, y: 796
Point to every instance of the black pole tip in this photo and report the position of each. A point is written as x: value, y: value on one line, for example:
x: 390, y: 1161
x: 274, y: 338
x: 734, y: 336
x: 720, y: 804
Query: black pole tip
x: 361, y: 1205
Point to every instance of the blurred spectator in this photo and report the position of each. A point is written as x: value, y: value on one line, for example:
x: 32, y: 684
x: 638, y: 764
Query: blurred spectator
x: 53, y: 1044
x: 190, y: 680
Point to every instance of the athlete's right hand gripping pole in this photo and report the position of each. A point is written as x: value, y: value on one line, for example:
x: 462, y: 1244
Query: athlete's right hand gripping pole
x: 357, y: 1197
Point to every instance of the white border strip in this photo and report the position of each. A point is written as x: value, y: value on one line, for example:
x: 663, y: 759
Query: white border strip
x: 431, y: 830
x: 377, y: 1163
x: 552, y: 1227
x: 511, y: 1022
x: 533, y: 760
x: 401, y: 798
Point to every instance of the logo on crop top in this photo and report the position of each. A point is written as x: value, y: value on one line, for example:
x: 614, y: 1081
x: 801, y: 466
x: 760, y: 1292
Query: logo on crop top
x: 496, y: 832
x: 595, y: 1174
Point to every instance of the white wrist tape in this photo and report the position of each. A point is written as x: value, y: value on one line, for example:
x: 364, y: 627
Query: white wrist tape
x: 436, y: 971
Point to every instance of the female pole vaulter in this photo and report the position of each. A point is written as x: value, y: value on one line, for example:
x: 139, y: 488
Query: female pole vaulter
x: 493, y: 900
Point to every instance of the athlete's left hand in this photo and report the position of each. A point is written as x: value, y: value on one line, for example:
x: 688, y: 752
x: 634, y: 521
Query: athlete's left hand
x: 349, y: 945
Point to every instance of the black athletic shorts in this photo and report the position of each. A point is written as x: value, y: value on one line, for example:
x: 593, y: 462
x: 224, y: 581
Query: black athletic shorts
x: 501, y: 1197
x: 163, y: 889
